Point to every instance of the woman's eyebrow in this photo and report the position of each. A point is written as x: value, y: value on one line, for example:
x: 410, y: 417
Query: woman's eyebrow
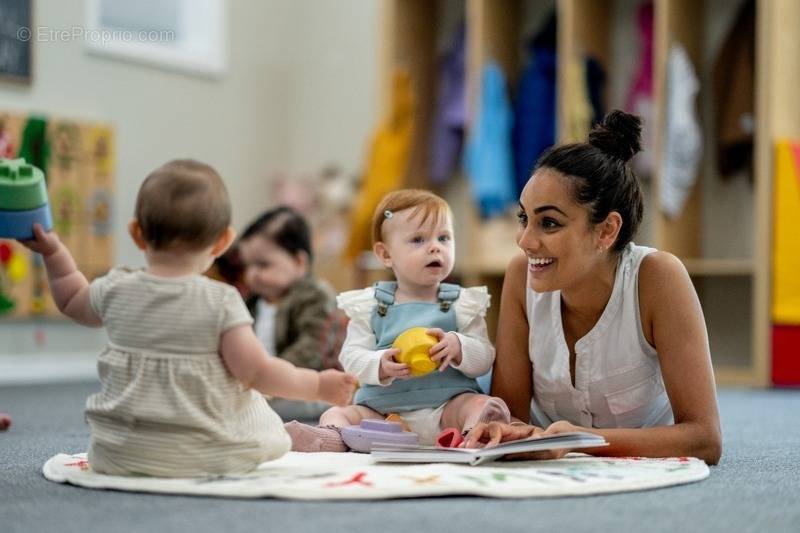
x: 544, y: 208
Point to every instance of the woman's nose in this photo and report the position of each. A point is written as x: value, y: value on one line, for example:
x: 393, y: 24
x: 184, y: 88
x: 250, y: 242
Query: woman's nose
x: 528, y: 240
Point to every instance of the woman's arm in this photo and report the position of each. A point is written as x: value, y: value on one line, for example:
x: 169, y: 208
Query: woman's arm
x: 512, y: 378
x: 673, y: 322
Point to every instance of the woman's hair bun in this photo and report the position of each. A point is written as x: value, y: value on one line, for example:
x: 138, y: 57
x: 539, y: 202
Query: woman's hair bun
x: 618, y: 135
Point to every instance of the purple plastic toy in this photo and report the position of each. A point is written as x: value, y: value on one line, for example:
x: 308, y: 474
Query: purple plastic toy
x: 361, y: 438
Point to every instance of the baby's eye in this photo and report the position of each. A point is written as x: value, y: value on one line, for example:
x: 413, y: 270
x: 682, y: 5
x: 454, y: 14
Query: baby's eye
x: 522, y: 218
x: 444, y: 238
x: 417, y: 240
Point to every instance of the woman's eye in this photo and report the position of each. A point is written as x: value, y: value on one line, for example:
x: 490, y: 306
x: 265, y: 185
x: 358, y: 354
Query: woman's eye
x: 522, y: 218
x: 549, y: 223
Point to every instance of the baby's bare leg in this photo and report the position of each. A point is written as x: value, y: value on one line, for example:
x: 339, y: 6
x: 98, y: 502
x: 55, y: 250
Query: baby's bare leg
x: 349, y: 415
x: 327, y: 437
x: 468, y: 409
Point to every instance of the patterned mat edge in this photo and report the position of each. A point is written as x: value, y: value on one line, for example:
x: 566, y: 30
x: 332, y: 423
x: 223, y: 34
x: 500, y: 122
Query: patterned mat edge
x: 347, y: 485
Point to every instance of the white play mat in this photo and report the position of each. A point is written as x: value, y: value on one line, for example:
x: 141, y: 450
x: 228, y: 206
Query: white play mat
x: 352, y: 476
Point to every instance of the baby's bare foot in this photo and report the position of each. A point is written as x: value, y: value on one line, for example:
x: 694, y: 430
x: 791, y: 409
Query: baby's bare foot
x: 307, y: 438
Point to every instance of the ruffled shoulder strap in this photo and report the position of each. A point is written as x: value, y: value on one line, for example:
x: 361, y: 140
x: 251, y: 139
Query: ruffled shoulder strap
x: 357, y: 304
x: 473, y: 301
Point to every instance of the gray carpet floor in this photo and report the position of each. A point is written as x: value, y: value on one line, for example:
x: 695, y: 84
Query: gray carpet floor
x: 756, y: 487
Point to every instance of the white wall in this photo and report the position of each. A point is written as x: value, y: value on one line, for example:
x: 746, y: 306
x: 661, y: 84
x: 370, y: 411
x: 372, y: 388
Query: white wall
x: 301, y: 91
x: 334, y: 82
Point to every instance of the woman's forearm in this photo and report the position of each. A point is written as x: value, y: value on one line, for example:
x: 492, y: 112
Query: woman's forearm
x: 688, y: 439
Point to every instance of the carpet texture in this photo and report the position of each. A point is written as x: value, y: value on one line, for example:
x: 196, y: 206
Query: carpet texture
x: 756, y: 486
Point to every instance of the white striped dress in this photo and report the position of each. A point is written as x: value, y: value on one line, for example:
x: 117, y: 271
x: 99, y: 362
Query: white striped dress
x: 168, y: 406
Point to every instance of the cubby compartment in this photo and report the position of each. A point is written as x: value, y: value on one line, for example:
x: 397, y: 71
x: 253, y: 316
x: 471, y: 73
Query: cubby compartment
x: 722, y: 232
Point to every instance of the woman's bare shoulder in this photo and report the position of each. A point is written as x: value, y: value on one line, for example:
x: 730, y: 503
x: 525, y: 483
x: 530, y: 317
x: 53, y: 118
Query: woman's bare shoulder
x: 658, y: 270
x: 517, y: 270
x: 516, y: 279
x: 663, y: 281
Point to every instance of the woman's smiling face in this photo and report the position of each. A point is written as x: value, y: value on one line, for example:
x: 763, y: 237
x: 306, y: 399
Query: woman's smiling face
x: 555, y: 233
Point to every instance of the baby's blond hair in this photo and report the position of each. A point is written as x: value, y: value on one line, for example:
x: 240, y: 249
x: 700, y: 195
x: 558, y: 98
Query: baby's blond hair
x: 422, y: 202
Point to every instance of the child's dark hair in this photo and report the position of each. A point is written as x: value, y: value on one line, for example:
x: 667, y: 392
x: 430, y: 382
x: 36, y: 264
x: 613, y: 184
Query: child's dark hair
x: 182, y: 204
x: 600, y: 174
x: 285, y: 227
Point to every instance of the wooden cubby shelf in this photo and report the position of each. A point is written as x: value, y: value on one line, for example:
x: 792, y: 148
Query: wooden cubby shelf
x: 722, y: 226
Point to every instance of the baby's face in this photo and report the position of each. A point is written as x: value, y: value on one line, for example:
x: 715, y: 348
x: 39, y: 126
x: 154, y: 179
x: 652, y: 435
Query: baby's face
x: 419, y: 254
x: 269, y: 269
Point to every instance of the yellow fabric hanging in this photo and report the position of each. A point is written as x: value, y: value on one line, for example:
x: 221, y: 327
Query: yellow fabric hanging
x: 578, y: 108
x: 387, y: 163
x: 786, y: 235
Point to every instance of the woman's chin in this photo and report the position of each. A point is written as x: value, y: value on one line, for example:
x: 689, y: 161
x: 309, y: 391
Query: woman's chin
x: 540, y: 285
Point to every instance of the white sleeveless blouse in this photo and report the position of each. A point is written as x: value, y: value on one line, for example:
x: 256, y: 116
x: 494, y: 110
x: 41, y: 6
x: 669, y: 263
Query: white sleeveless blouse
x: 618, y: 381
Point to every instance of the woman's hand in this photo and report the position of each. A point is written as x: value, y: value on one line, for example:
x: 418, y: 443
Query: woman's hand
x: 562, y: 426
x: 484, y: 435
x: 447, y: 350
x: 494, y: 433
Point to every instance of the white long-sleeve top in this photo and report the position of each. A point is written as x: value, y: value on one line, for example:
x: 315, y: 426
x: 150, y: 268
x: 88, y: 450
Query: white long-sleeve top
x: 360, y: 357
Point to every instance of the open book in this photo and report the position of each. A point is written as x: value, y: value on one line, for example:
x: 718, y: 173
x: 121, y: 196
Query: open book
x: 476, y: 456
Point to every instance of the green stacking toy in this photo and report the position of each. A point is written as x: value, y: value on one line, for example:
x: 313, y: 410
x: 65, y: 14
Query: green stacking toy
x: 23, y: 199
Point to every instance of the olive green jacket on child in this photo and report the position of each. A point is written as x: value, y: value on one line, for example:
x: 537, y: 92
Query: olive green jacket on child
x: 309, y: 329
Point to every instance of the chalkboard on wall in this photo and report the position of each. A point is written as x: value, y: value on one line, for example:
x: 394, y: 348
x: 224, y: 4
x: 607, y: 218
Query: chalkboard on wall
x: 15, y: 40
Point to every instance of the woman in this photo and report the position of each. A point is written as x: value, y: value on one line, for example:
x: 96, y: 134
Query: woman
x: 597, y: 334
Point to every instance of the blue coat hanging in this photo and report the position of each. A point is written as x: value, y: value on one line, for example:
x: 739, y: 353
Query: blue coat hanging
x: 535, y: 113
x: 487, y: 157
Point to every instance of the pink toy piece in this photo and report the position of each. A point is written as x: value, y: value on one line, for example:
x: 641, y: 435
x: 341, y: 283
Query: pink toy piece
x: 361, y: 438
x: 5, y: 421
x: 449, y: 438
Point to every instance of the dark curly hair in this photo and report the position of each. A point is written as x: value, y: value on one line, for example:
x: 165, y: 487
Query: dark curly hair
x: 285, y: 227
x: 601, y: 177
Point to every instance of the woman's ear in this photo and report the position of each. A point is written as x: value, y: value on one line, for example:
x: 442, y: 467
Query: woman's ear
x: 382, y: 253
x: 223, y: 241
x: 135, y: 231
x: 609, y: 230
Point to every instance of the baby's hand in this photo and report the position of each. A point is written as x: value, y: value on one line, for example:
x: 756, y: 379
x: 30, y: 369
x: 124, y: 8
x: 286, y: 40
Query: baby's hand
x: 391, y: 368
x: 447, y: 351
x: 45, y: 243
x: 336, y: 387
